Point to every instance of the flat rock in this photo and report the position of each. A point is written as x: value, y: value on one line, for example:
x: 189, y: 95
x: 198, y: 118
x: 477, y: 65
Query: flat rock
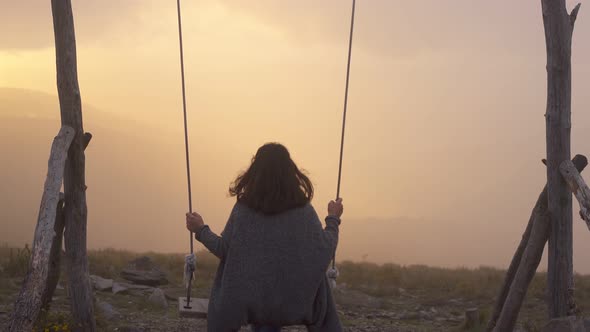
x: 101, y: 284
x: 567, y: 324
x: 119, y: 288
x: 143, y: 271
x: 158, y: 298
x: 138, y: 287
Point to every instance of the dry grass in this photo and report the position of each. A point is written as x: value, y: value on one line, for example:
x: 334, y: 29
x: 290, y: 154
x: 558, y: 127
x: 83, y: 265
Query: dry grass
x: 432, y: 286
x: 390, y: 279
x: 373, y: 279
x: 14, y: 262
x: 107, y: 263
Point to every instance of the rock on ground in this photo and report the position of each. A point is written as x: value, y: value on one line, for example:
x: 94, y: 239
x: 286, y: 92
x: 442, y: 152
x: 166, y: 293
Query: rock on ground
x: 101, y: 284
x: 107, y: 310
x: 119, y: 288
x: 143, y: 271
x: 158, y: 298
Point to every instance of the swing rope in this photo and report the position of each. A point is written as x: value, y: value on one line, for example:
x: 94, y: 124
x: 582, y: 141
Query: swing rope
x: 190, y: 266
x: 334, y: 272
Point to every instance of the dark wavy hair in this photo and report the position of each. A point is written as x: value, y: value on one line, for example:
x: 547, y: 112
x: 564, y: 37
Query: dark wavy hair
x: 273, y: 183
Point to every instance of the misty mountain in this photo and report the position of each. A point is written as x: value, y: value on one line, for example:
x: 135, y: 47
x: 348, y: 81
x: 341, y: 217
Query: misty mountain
x: 123, y: 172
x: 136, y: 181
x: 132, y: 200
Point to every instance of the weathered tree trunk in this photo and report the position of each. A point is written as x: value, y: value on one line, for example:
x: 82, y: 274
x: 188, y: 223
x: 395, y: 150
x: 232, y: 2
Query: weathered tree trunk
x: 74, y: 181
x: 29, y: 301
x: 514, y: 265
x: 559, y: 27
x: 578, y: 186
x: 527, y: 268
x: 55, y: 254
x: 579, y: 162
x: 55, y: 259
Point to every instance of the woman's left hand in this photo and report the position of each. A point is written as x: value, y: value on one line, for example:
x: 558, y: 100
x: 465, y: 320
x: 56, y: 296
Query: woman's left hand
x: 194, y: 222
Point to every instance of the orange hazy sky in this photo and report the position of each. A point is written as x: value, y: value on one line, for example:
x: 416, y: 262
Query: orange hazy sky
x: 445, y: 129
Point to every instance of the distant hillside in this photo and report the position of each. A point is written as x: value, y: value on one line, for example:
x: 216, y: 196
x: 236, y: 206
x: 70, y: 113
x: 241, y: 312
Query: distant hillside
x: 134, y: 196
x: 137, y: 193
x: 126, y: 188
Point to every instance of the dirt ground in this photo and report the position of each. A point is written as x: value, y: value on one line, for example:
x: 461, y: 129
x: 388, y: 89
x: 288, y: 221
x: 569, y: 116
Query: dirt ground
x: 358, y: 312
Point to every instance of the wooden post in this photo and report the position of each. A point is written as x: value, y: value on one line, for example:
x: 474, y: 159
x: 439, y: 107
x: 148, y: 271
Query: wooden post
x: 29, y: 301
x: 559, y: 27
x: 472, y: 318
x: 55, y: 259
x: 55, y: 254
x: 514, y: 264
x: 527, y: 268
x: 74, y: 180
x: 525, y: 261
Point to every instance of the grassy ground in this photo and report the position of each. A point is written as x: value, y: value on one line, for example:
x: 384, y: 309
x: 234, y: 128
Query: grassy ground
x: 370, y: 297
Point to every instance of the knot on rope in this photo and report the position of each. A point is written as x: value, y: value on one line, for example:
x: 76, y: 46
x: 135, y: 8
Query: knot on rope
x: 332, y: 275
x: 190, y: 265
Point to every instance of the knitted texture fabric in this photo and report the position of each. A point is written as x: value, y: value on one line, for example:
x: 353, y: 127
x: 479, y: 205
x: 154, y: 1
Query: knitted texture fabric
x: 272, y: 270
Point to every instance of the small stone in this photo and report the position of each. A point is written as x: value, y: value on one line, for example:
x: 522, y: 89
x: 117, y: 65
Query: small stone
x: 425, y: 315
x: 101, y: 284
x: 383, y: 316
x: 107, y: 310
x: 158, y: 298
x: 171, y: 297
x: 118, y: 288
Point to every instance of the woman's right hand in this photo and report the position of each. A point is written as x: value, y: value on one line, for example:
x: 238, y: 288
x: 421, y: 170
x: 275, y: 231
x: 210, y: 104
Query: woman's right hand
x: 335, y: 208
x: 194, y: 222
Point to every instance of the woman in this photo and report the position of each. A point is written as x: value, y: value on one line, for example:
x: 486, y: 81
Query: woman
x: 273, y: 251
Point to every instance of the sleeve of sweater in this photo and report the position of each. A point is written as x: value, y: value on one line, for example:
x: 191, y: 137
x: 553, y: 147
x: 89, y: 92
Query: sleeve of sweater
x: 217, y: 245
x: 331, y: 231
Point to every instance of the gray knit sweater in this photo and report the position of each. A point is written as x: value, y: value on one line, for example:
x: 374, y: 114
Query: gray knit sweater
x: 272, y: 270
